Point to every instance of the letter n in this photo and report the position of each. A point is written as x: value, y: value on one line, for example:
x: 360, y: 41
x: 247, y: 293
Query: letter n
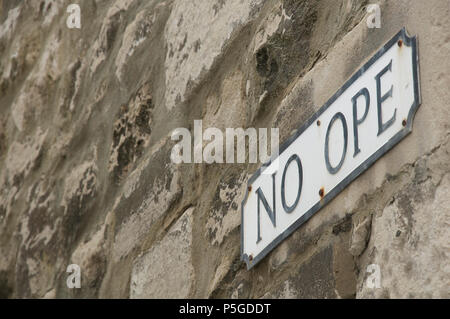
x: 271, y: 212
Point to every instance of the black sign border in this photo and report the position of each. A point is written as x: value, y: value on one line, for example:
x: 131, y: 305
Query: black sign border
x: 410, y: 42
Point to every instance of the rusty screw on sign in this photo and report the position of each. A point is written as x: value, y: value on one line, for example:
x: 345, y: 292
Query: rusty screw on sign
x: 318, y: 122
x: 322, y: 192
x: 249, y: 188
x: 250, y: 258
x: 400, y: 43
x: 404, y: 122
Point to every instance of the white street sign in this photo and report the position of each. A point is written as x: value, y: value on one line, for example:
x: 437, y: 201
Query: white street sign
x: 368, y: 116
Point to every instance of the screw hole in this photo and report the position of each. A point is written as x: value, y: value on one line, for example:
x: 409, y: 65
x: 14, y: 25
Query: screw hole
x: 322, y: 192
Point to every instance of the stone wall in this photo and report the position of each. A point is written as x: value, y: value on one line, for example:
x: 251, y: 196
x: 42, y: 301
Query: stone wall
x: 85, y: 170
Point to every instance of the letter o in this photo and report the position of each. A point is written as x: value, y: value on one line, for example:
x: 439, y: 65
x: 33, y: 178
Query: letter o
x: 289, y: 209
x: 331, y: 169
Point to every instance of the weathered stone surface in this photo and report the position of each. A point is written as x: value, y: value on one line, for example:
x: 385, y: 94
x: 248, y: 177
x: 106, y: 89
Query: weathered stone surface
x: 225, y: 216
x: 155, y: 204
x: 360, y: 236
x: 23, y: 157
x: 134, y: 36
x: 91, y: 257
x: 344, y: 269
x: 131, y: 132
x: 165, y: 271
x: 79, y: 186
x: 10, y: 23
x: 108, y: 32
x: 411, y: 238
x: 196, y: 38
x: 313, y: 279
